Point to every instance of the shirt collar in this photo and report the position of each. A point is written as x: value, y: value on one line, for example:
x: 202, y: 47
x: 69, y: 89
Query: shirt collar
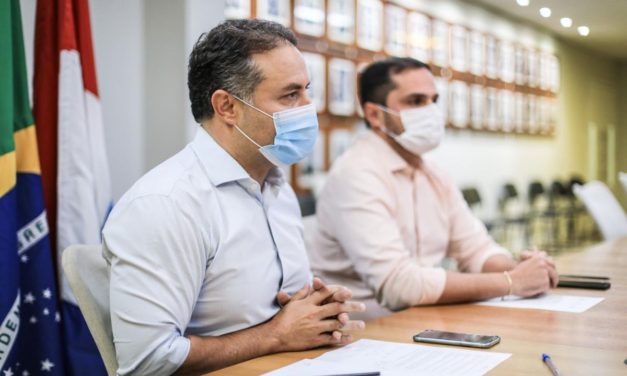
x: 386, y: 154
x: 221, y: 167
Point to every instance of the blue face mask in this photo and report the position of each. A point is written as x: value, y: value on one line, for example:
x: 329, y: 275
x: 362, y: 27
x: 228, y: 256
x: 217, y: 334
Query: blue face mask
x: 296, y: 133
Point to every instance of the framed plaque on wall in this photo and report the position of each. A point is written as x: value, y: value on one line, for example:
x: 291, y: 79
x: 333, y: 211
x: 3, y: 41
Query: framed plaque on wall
x: 274, y: 10
x: 309, y: 17
x: 370, y: 24
x: 341, y: 21
x: 419, y: 36
x: 316, y: 67
x: 341, y: 87
x: 395, y: 30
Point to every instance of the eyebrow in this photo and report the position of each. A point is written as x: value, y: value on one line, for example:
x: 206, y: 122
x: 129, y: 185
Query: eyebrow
x: 420, y: 97
x: 295, y: 86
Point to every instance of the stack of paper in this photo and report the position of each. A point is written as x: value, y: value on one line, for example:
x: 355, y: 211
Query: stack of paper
x: 392, y: 359
x: 549, y: 302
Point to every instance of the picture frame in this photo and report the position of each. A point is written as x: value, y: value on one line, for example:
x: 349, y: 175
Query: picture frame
x: 531, y: 114
x: 492, y: 57
x: 341, y: 87
x: 341, y: 21
x: 309, y: 17
x: 459, y: 110
x: 507, y: 62
x: 554, y: 73
x: 459, y: 48
x: 519, y: 118
x: 520, y: 65
x: 234, y: 9
x: 395, y: 30
x: 370, y: 25
x: 316, y: 68
x: 440, y: 43
x: 419, y: 36
x: 477, y: 106
x: 544, y: 69
x: 441, y: 85
x: 533, y: 64
x: 492, y: 109
x: 506, y: 106
x: 477, y: 53
x: 274, y: 10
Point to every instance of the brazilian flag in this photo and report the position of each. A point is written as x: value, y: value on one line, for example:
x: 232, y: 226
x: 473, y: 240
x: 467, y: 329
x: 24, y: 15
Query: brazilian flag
x: 30, y: 321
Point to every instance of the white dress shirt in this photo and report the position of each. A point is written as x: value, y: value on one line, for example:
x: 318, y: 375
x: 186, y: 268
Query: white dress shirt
x: 197, y: 247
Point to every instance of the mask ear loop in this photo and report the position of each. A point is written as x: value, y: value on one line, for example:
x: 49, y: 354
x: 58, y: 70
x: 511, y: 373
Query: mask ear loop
x: 251, y: 106
x: 391, y: 112
x: 245, y: 135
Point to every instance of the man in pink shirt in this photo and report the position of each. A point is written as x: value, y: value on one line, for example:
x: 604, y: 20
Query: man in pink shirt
x: 387, y: 218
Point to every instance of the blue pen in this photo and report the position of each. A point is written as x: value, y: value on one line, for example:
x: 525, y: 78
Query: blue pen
x: 547, y: 360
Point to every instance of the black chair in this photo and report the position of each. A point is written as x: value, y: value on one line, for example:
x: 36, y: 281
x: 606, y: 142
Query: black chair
x: 473, y: 199
x: 509, y: 220
x: 307, y: 203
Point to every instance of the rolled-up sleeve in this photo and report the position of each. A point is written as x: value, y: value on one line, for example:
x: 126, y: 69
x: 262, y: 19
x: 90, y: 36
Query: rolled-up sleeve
x: 360, y: 207
x: 157, y: 268
x: 470, y: 244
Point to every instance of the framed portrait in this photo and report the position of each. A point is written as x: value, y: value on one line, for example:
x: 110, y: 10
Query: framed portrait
x: 477, y: 53
x: 492, y: 109
x: 533, y: 63
x: 459, y: 48
x: 234, y: 9
x: 419, y: 36
x: 459, y: 110
x: 309, y: 17
x: 315, y: 162
x: 554, y: 73
x: 441, y: 84
x: 544, y: 109
x: 274, y: 10
x: 395, y: 30
x: 507, y: 110
x: 370, y: 24
x: 439, y: 43
x: 507, y: 62
x: 491, y: 57
x: 316, y: 68
x: 341, y: 87
x: 519, y: 107
x: 531, y: 114
x: 477, y: 106
x: 544, y: 68
x: 341, y: 21
x: 520, y: 65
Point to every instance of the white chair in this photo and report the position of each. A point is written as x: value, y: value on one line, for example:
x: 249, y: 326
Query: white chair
x: 622, y: 176
x: 310, y: 226
x: 604, y: 208
x: 87, y: 272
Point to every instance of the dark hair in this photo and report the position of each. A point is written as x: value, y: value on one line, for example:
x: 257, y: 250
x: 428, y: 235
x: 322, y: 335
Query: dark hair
x: 375, y: 82
x: 221, y: 59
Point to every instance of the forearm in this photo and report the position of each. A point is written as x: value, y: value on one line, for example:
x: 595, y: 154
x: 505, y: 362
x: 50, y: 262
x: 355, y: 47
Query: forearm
x: 211, y: 353
x: 498, y: 263
x: 464, y: 287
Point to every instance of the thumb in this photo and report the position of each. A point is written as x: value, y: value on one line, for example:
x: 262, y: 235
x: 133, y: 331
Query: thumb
x: 283, y: 298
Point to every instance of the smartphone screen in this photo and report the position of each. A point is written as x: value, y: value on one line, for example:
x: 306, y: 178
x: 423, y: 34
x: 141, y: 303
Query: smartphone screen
x: 457, y: 339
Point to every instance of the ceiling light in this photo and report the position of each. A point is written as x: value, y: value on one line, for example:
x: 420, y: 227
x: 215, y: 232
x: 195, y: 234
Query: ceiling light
x: 545, y: 12
x: 583, y: 31
x: 523, y: 3
x: 566, y: 21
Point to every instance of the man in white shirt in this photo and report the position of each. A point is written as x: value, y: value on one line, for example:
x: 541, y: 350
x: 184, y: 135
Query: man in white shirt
x: 204, y: 247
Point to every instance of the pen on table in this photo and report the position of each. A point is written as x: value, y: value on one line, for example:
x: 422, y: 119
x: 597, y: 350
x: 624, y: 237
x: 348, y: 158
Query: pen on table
x: 547, y: 360
x: 376, y: 373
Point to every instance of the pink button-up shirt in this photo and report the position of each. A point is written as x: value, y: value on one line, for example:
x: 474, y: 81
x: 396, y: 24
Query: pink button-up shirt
x: 384, y: 227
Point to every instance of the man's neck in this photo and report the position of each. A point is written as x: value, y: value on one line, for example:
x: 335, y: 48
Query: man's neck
x: 412, y: 159
x: 258, y: 168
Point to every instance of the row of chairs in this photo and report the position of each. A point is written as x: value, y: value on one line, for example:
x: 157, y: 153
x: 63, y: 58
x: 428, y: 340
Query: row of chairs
x: 550, y: 217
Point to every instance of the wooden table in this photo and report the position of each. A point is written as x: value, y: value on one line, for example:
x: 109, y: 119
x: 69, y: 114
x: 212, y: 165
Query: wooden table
x: 589, y: 343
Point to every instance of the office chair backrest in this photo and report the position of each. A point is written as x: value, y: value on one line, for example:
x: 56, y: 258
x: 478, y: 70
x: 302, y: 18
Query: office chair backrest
x: 472, y: 196
x: 536, y: 189
x: 604, y: 208
x: 622, y: 176
x: 88, y: 275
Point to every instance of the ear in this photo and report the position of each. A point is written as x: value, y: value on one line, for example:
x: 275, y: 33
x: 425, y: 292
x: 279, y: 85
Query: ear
x: 224, y: 106
x: 374, y: 115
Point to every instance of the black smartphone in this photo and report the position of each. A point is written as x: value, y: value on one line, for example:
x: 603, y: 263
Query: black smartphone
x: 457, y: 339
x: 584, y: 282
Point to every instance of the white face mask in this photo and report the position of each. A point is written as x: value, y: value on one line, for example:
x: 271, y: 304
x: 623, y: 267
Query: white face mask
x: 424, y: 128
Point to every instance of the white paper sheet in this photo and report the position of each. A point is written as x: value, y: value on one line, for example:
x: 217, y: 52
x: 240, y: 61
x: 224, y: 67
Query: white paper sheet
x: 549, y: 302
x: 396, y: 359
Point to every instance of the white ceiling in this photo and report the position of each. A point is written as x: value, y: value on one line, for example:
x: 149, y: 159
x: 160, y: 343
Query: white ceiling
x: 607, y: 20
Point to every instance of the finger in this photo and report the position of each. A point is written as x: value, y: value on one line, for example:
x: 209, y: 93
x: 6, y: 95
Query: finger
x: 553, y: 276
x: 342, y: 294
x: 282, y: 298
x: 317, y: 283
x: 343, y: 317
x: 329, y: 326
x: 337, y: 335
x: 320, y: 295
x: 346, y: 338
x: 333, y: 309
x: 302, y: 293
x: 353, y: 325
